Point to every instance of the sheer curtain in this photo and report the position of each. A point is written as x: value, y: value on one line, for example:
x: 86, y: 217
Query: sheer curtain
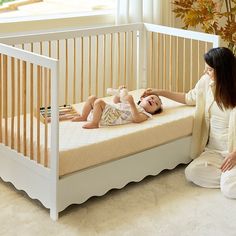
x: 149, y: 11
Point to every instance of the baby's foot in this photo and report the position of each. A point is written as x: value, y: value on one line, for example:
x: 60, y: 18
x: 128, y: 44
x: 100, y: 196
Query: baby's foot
x: 90, y: 125
x: 78, y: 118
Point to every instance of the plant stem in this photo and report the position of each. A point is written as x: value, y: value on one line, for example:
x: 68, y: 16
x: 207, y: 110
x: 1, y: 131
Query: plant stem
x: 228, y: 8
x: 232, y: 15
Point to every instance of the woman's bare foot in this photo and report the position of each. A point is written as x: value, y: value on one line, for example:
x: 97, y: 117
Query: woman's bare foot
x: 90, y: 125
x: 78, y: 118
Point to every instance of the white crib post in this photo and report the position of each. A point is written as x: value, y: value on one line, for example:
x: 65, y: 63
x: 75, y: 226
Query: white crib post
x: 54, y: 165
x: 216, y: 42
x: 142, y: 59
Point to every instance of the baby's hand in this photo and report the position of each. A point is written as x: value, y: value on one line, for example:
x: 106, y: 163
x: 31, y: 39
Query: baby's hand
x: 122, y: 87
x: 129, y: 98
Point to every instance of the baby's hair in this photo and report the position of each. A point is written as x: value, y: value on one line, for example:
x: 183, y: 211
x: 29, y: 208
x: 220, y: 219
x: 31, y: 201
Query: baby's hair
x: 158, y: 111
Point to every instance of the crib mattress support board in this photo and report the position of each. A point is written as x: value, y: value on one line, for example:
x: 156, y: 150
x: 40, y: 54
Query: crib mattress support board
x: 78, y: 187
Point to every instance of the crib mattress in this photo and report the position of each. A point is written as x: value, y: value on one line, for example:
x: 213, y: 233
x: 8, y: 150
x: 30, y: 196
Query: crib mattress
x: 82, y: 148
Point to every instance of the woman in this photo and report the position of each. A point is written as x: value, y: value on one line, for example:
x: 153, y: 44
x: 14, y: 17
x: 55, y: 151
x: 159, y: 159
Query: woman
x: 214, y: 132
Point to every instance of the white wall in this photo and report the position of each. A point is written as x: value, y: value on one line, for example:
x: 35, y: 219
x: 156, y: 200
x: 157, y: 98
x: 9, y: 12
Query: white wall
x: 58, y: 23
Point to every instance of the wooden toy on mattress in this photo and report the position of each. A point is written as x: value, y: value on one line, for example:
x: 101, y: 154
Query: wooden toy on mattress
x: 66, y: 112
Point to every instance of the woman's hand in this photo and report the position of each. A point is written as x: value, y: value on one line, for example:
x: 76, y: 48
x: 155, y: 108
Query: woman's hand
x: 229, y: 162
x: 150, y: 91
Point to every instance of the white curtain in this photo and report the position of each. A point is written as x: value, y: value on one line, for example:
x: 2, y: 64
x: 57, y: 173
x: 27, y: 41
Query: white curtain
x: 149, y: 11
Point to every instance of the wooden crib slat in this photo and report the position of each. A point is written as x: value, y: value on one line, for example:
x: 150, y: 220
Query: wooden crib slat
x: 118, y: 80
x: 206, y: 47
x: 82, y: 69
x: 111, y: 62
x: 1, y: 91
x: 24, y: 106
x: 191, y: 63
x: 164, y: 63
x: 58, y: 53
x: 125, y: 61
x: 170, y: 65
x: 158, y: 85
x: 5, y: 97
x: 12, y: 101
x: 58, y: 49
x: 31, y: 112
x: 198, y: 59
x: 66, y: 74
x: 104, y: 66
x: 49, y: 79
x: 31, y: 102
x: 38, y: 110
x: 149, y: 58
x: 184, y: 65
x: 177, y: 65
x: 152, y: 60
x: 46, y: 120
x: 132, y: 59
x: 18, y: 104
x: 74, y: 72
x: 128, y: 60
x: 90, y: 67
x: 41, y: 84
x: 135, y: 57
x: 96, y: 76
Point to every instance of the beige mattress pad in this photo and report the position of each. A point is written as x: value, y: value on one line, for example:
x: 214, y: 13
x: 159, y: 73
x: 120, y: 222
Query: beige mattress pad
x: 82, y: 148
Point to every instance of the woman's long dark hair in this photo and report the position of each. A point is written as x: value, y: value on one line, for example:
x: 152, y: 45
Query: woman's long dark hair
x: 223, y: 61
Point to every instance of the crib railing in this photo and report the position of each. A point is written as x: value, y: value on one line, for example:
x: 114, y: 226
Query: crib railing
x: 56, y: 68
x: 174, y: 57
x: 23, y: 76
x: 83, y: 62
x: 90, y: 60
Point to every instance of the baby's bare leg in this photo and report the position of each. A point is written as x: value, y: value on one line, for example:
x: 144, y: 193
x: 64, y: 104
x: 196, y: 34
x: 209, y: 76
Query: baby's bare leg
x: 88, y: 106
x: 99, y: 106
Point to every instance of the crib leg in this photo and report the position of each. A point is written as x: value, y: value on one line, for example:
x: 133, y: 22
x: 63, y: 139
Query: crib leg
x: 54, y: 214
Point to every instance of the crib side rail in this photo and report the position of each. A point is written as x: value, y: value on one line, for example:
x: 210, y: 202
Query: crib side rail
x: 91, y: 60
x: 23, y: 77
x: 68, y: 34
x: 174, y: 57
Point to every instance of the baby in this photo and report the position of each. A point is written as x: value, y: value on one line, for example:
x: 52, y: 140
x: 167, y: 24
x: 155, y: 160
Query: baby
x: 99, y: 113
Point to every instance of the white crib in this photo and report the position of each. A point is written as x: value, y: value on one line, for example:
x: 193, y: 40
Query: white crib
x: 54, y: 68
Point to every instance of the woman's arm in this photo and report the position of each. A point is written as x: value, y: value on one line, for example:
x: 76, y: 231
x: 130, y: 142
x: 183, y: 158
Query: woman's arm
x: 178, y: 97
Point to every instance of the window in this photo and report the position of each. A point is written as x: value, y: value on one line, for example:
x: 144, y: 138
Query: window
x: 53, y: 14
x: 50, y: 8
x: 53, y: 7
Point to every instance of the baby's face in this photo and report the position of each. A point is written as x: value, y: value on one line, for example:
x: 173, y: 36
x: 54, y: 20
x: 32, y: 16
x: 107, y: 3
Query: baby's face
x: 151, y: 103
